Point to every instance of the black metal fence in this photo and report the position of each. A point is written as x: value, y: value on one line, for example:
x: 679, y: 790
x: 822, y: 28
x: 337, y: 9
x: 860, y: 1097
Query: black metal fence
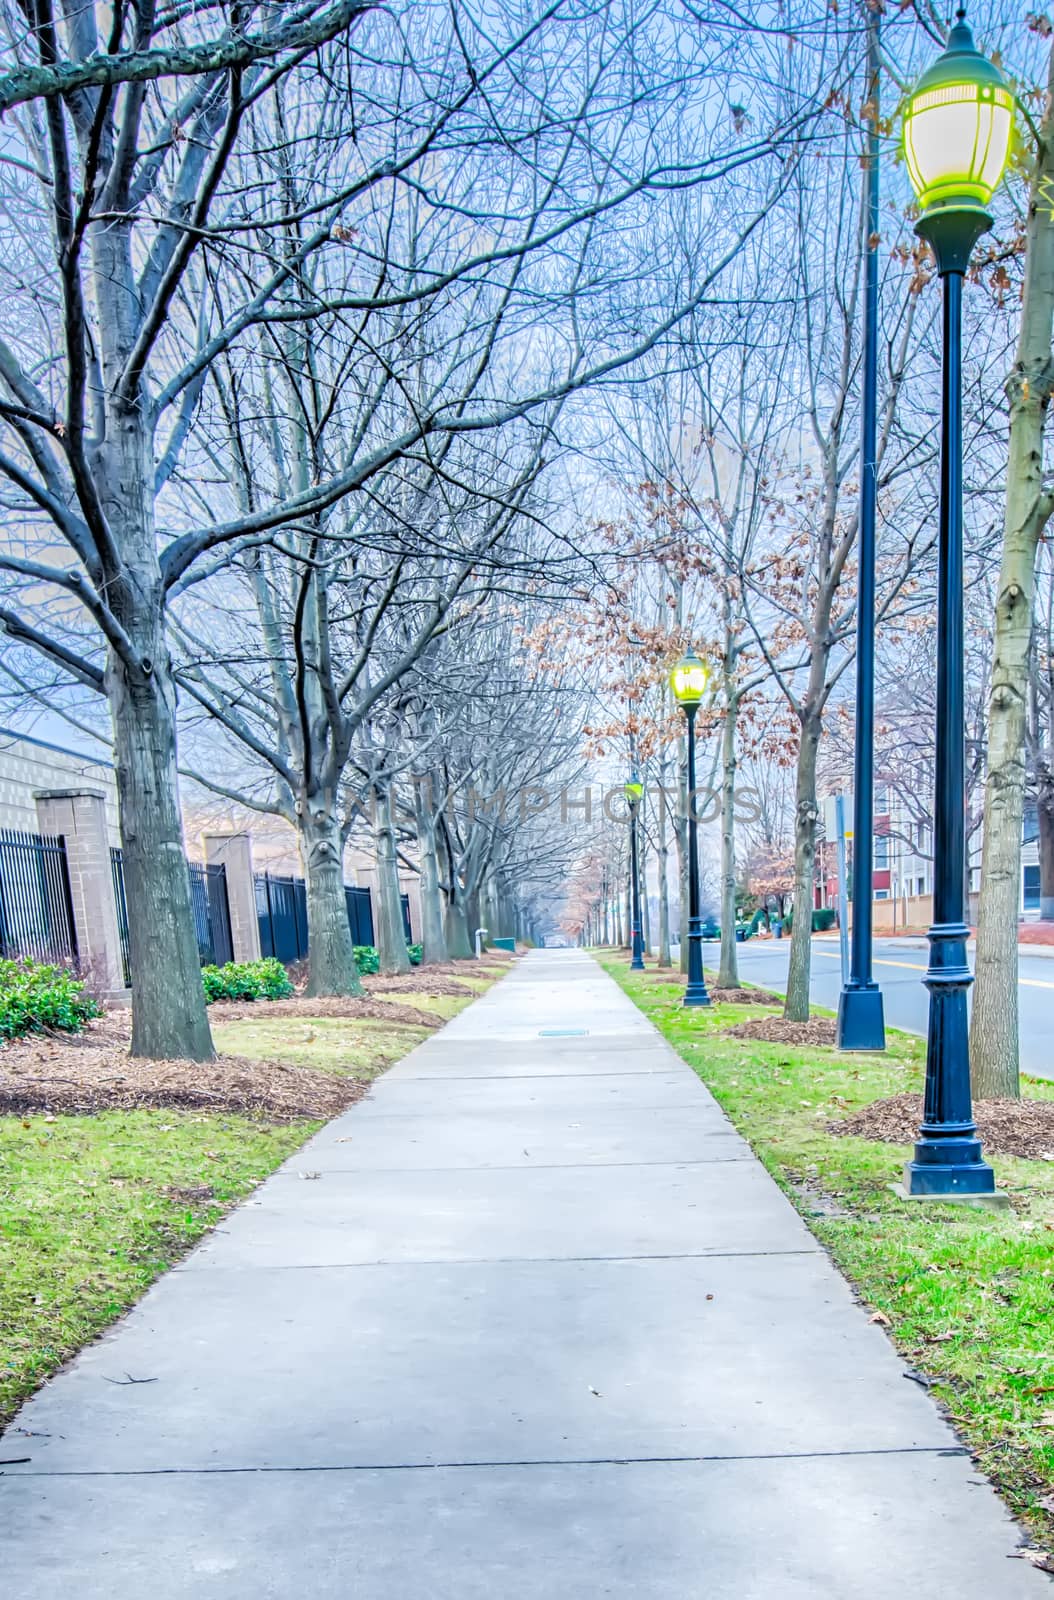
x: 36, y: 909
x: 281, y: 910
x: 208, y: 902
x: 121, y: 906
x: 360, y: 914
x: 212, y: 913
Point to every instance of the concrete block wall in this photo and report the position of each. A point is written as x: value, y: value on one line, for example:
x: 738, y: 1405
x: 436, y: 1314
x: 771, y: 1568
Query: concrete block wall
x: 29, y: 766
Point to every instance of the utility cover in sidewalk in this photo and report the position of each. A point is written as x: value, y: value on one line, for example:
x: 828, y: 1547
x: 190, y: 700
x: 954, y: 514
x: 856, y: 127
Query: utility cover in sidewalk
x: 562, y: 1033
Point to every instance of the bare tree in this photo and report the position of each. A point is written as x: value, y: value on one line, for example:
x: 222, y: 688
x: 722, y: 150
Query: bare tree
x: 197, y: 180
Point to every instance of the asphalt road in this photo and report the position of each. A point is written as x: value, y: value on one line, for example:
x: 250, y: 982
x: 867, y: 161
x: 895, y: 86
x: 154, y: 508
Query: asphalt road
x: 899, y: 967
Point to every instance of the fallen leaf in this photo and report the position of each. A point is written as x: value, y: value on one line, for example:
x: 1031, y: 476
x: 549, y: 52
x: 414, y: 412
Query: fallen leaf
x: 1035, y: 1558
x: 309, y: 1174
x: 881, y: 1318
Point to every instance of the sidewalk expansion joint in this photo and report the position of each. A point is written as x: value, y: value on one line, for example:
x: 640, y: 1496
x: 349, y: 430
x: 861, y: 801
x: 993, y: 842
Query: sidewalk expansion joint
x: 956, y: 1452
x: 536, y: 1166
x: 496, y: 1112
x: 491, y: 1261
x: 518, y: 1077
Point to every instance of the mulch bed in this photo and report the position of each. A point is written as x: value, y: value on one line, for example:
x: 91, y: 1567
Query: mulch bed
x: 418, y: 982
x: 745, y: 997
x: 1006, y: 1127
x: 357, y: 1007
x: 92, y: 1071
x: 778, y: 1030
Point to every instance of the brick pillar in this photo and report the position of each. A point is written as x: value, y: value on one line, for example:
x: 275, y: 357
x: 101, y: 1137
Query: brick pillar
x: 79, y: 815
x: 234, y: 851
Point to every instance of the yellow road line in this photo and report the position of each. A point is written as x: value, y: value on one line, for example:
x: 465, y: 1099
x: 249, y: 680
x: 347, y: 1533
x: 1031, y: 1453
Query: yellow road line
x: 920, y: 966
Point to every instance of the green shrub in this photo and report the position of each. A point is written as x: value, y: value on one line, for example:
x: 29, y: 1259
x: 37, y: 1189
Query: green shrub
x: 246, y: 980
x: 368, y: 960
x: 34, y: 997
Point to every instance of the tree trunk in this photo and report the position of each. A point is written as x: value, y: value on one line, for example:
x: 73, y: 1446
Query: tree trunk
x: 1045, y: 811
x: 662, y: 852
x: 680, y: 839
x: 390, y: 929
x: 642, y: 885
x: 994, y: 1026
x: 331, y: 968
x: 169, y: 1020
x: 728, y: 974
x: 796, y: 1006
x: 457, y: 934
x: 433, y: 936
x: 490, y: 908
x: 473, y: 918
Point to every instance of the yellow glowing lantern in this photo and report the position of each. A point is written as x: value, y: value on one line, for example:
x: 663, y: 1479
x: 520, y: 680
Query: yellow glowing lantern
x: 957, y: 127
x: 689, y: 679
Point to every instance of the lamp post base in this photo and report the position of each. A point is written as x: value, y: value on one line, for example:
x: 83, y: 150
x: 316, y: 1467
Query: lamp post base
x: 994, y: 1200
x: 861, y: 1022
x: 948, y: 1169
x: 696, y: 995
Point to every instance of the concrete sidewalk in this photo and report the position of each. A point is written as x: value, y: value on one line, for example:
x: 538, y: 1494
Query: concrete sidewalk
x: 529, y: 1323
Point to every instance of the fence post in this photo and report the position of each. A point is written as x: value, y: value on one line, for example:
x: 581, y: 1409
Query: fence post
x: 79, y: 815
x: 235, y: 852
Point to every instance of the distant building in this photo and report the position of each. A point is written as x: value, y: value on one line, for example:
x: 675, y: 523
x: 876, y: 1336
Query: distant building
x: 903, y: 865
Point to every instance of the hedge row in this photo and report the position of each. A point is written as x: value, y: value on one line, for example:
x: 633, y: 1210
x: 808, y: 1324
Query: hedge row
x: 268, y: 979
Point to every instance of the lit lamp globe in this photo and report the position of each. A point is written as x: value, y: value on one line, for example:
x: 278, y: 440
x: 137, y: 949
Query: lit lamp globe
x: 689, y: 679
x: 957, y: 127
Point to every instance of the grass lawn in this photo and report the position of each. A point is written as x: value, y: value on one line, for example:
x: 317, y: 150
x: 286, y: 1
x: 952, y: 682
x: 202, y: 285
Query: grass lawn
x: 363, y: 1047
x: 966, y: 1295
x: 94, y: 1208
x: 357, y: 1046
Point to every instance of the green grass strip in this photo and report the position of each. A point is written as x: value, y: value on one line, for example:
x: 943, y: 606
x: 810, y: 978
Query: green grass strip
x: 969, y: 1294
x: 93, y: 1209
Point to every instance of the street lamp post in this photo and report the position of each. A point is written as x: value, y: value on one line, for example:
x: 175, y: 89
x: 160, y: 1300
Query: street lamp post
x: 634, y: 789
x: 861, y: 1025
x: 957, y: 127
x: 688, y: 680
